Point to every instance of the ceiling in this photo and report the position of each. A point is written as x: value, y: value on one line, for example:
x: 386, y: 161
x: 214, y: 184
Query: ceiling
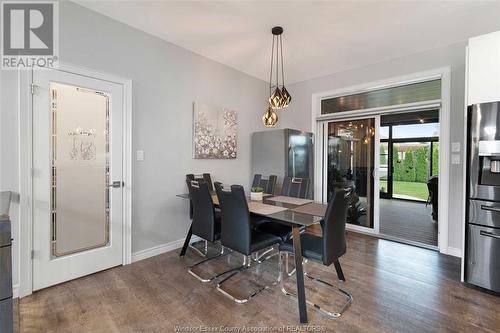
x: 320, y: 38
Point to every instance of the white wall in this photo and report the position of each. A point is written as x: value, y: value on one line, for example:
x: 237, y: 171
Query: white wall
x: 298, y: 114
x: 166, y: 81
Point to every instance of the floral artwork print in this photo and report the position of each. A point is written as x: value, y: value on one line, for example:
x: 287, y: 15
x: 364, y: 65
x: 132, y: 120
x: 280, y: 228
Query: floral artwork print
x: 215, y: 131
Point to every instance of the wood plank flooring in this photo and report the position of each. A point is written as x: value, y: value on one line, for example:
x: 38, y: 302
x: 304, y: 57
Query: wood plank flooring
x: 396, y: 288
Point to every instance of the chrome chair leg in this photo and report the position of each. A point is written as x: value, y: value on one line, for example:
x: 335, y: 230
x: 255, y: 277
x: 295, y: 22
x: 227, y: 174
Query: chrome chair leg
x: 292, y: 272
x: 221, y: 254
x: 246, y: 265
x: 258, y: 257
x: 335, y: 314
x: 198, y: 251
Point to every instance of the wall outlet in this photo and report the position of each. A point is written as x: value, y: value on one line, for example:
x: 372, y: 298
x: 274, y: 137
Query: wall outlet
x: 140, y: 155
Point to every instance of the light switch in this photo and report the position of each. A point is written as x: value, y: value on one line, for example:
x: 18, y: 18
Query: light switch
x: 140, y: 155
x: 455, y: 158
x: 455, y: 147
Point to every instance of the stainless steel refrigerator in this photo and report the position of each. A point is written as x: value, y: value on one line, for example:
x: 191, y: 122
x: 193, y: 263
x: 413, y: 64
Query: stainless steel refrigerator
x: 482, y: 253
x: 283, y: 152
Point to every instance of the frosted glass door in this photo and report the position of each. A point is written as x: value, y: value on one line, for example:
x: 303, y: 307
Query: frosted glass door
x: 80, y: 169
x: 77, y: 176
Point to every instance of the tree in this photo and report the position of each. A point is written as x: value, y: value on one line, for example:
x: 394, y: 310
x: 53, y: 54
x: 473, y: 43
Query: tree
x: 396, y: 164
x: 435, y: 159
x: 383, y: 156
x: 408, y: 174
x: 421, y: 173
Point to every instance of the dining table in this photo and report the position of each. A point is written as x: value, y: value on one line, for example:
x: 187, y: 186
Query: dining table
x: 296, y: 213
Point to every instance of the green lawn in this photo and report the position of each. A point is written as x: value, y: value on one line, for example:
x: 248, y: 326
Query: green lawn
x: 416, y: 190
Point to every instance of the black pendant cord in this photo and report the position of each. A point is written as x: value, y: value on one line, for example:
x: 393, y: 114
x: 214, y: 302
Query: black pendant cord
x: 277, y: 62
x: 271, y: 73
x: 282, y: 70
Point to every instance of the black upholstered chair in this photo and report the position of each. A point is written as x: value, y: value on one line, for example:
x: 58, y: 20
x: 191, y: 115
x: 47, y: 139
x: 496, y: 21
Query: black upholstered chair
x: 268, y: 185
x: 256, y: 180
x: 238, y: 233
x: 206, y: 221
x: 199, y: 178
x: 326, y: 249
x: 203, y: 177
x: 432, y: 187
x: 295, y: 187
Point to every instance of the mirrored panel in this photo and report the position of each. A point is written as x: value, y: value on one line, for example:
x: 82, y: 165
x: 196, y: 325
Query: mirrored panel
x: 80, y: 169
x: 351, y: 160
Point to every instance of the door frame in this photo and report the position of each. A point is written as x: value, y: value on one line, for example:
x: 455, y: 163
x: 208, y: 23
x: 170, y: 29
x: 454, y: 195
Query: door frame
x: 443, y: 73
x: 26, y: 168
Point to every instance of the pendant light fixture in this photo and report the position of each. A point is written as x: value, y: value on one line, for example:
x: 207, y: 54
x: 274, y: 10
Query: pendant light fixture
x: 270, y: 118
x: 279, y: 97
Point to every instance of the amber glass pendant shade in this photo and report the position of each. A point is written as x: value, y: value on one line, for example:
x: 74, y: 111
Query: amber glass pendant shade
x: 286, y: 97
x: 276, y: 99
x: 269, y: 118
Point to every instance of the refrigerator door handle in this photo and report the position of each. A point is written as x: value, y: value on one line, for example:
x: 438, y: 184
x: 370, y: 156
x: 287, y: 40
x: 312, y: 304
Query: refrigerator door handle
x: 490, y: 208
x: 489, y: 234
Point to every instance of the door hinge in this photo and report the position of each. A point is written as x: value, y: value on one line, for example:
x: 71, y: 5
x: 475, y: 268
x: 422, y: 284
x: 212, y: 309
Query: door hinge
x: 32, y: 254
x: 32, y: 88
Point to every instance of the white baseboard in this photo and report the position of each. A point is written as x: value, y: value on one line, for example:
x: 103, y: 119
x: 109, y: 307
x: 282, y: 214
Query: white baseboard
x: 454, y: 251
x: 15, y: 291
x: 159, y: 249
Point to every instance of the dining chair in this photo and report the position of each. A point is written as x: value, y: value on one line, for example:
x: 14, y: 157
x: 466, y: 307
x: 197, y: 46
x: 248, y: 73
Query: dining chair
x: 326, y: 249
x: 256, y: 180
x: 295, y: 187
x: 270, y: 184
x: 190, y: 178
x: 203, y: 177
x: 206, y: 222
x: 239, y: 235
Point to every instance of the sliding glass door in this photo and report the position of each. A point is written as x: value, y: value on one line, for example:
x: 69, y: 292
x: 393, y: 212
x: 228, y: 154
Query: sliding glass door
x: 350, y: 163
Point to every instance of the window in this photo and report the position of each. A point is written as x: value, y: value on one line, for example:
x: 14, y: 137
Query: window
x: 415, y: 131
x: 399, y: 95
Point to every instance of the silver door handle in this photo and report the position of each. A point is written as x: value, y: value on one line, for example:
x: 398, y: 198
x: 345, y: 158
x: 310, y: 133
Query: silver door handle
x: 490, y: 208
x: 489, y: 234
x: 116, y: 184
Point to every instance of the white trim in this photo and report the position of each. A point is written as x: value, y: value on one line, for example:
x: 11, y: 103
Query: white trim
x: 464, y: 164
x: 25, y: 241
x: 157, y: 250
x: 26, y: 150
x: 375, y: 174
x: 361, y: 229
x: 15, y: 291
x: 444, y: 156
x: 160, y: 249
x: 443, y: 73
x: 454, y: 251
x: 400, y: 108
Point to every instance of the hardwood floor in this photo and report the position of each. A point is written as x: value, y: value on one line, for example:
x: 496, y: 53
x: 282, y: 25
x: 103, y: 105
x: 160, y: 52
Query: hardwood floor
x: 396, y: 288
